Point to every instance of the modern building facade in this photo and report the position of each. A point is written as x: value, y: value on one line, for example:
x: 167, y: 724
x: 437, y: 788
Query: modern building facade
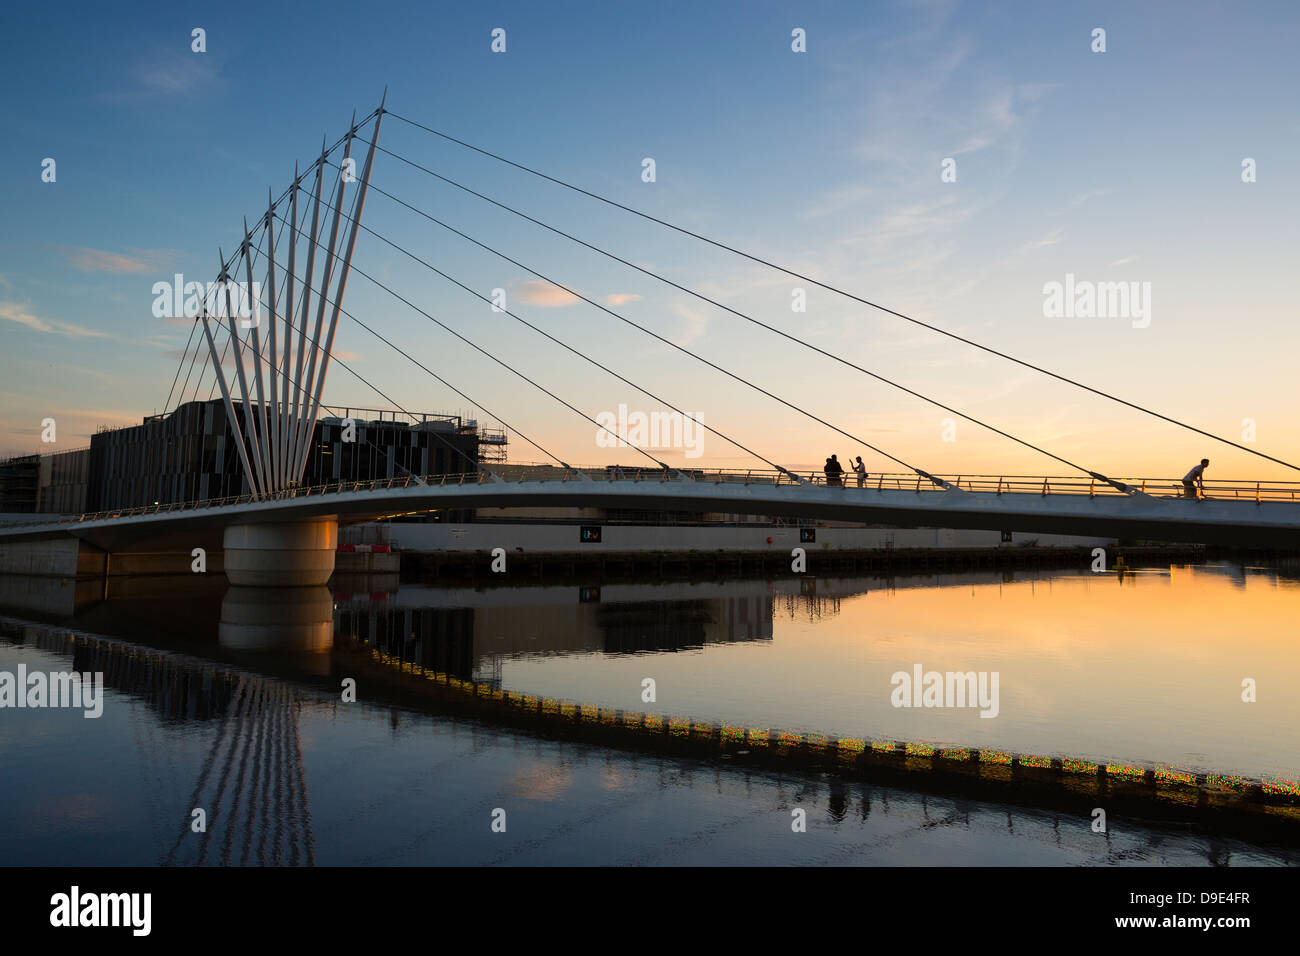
x: 64, y: 482
x: 19, y: 484
x: 190, y: 454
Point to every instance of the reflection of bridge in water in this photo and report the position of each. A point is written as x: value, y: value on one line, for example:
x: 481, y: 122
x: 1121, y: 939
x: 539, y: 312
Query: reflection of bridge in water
x: 874, y: 822
x: 251, y: 786
x: 466, y: 633
x: 437, y: 650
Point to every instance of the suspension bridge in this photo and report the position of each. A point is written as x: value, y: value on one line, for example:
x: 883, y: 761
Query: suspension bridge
x: 283, y: 531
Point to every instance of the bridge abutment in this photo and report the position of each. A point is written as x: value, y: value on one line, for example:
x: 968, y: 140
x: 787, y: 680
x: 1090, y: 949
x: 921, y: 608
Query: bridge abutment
x: 281, y: 555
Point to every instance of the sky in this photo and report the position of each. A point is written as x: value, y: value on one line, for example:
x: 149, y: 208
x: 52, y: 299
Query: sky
x: 949, y: 161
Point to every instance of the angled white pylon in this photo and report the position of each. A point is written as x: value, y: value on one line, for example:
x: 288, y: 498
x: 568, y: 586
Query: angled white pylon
x: 275, y: 439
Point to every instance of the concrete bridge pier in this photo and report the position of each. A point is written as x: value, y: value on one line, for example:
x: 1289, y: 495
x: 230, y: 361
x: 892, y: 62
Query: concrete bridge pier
x: 281, y: 555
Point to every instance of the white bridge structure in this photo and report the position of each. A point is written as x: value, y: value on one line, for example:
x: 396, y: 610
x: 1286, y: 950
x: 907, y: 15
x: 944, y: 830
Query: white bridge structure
x: 278, y: 428
x: 290, y: 538
x: 284, y: 533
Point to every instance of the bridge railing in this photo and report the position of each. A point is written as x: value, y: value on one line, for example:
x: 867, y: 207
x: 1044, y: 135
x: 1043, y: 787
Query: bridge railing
x: 1258, y: 491
x: 1010, y: 484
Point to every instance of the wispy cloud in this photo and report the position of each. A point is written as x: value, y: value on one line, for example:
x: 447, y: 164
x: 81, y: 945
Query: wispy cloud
x: 1082, y: 198
x: 176, y: 76
x: 101, y: 260
x: 74, y: 425
x: 1123, y: 262
x: 167, y: 73
x: 1051, y: 239
x: 697, y: 322
x: 838, y: 200
x: 621, y: 298
x: 20, y: 313
x: 931, y: 97
x: 991, y: 123
x: 543, y: 294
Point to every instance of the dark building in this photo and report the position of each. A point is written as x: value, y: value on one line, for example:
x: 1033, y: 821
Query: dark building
x: 19, y: 483
x: 45, y: 483
x: 190, y: 454
x: 65, y: 478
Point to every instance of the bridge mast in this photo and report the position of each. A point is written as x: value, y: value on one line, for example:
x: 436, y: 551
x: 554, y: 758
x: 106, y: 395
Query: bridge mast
x: 275, y: 439
x: 225, y: 395
x: 343, y: 273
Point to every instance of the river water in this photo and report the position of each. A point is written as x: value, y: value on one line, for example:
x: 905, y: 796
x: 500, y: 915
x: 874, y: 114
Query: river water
x: 232, y: 702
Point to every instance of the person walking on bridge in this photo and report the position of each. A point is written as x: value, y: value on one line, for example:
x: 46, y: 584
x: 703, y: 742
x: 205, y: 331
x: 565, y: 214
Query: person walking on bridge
x: 860, y: 470
x: 1194, y: 480
x: 834, y: 472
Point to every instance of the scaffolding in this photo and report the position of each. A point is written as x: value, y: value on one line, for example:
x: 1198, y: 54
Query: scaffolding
x: 491, y: 444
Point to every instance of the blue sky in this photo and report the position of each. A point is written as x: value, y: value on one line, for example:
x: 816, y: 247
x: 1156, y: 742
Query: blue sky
x: 1116, y: 166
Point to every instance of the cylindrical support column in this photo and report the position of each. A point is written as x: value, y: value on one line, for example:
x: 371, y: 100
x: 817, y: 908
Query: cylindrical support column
x: 292, y: 554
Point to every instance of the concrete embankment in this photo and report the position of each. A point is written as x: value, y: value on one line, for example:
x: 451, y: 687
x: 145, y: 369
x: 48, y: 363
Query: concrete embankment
x: 659, y: 565
x: 597, y: 538
x: 72, y: 559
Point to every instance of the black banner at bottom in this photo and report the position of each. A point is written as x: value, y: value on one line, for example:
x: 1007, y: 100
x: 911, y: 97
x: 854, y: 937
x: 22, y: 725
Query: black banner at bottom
x: 340, y: 905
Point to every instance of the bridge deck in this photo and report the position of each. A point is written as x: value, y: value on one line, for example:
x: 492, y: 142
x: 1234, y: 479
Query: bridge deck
x: 1258, y: 516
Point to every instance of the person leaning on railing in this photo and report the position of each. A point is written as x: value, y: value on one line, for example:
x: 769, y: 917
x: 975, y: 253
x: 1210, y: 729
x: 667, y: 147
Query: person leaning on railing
x: 1194, y: 480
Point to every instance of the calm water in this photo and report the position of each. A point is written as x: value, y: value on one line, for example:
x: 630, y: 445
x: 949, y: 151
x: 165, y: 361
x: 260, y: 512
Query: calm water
x: 242, y: 716
x: 1143, y: 668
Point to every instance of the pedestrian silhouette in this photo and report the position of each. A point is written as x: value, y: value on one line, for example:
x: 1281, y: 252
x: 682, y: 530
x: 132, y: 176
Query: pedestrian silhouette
x: 1194, y: 480
x: 834, y: 472
x: 860, y: 470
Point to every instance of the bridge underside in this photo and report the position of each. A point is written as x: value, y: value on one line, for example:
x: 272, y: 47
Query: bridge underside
x: 1230, y: 522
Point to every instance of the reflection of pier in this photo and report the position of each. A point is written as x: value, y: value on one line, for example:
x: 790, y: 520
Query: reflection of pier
x: 251, y: 786
x: 293, y: 623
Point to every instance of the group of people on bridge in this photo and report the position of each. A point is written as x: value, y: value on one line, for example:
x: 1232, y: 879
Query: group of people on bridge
x: 835, y: 472
x: 1193, y: 481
